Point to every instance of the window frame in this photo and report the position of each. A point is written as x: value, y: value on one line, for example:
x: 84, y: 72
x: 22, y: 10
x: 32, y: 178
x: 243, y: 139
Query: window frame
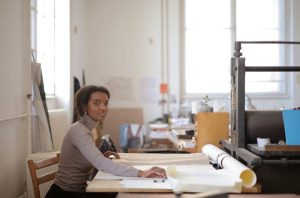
x: 282, y: 94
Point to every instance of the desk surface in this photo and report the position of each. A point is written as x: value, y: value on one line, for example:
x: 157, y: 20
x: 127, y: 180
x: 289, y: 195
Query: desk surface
x: 197, y: 162
x: 116, y: 186
x: 169, y: 195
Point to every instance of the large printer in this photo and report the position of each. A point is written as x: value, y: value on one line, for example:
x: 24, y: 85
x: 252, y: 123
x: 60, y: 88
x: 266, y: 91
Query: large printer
x: 277, y: 166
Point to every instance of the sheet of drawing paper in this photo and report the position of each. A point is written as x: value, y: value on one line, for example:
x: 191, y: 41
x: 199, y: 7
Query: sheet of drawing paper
x: 201, y: 178
x: 150, y: 184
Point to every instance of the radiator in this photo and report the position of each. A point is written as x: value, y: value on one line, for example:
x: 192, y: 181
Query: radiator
x: 59, y: 126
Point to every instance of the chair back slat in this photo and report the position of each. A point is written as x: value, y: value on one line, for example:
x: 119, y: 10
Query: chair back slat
x: 46, y: 177
x: 39, y: 179
x: 47, y: 162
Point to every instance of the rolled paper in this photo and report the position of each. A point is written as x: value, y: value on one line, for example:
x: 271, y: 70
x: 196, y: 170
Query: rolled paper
x: 240, y: 170
x: 213, y: 152
x: 225, y: 161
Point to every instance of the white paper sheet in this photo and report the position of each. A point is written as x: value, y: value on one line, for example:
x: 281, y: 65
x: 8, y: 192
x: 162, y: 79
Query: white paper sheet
x: 151, y: 184
x: 201, y: 178
x: 137, y: 182
x: 108, y: 176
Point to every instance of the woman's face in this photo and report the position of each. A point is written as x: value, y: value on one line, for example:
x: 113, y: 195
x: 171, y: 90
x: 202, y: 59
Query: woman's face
x: 97, y: 107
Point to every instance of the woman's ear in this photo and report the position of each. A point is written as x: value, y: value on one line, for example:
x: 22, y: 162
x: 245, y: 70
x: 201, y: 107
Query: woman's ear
x: 84, y: 108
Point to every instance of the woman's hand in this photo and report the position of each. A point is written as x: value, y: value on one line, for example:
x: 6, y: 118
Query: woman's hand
x: 154, y: 172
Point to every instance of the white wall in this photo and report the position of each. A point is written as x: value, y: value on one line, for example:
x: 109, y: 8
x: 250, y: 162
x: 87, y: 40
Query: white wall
x: 62, y: 56
x: 14, y: 85
x: 124, y: 51
x: 78, y: 29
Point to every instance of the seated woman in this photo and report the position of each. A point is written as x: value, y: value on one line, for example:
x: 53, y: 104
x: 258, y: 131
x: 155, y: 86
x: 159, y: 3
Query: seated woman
x: 80, y: 153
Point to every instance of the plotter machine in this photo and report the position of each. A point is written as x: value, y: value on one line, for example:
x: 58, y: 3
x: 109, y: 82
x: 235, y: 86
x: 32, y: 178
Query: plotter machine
x: 277, y: 166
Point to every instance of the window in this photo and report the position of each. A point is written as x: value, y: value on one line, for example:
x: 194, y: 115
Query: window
x: 263, y: 25
x: 212, y: 26
x: 43, y: 27
x: 43, y: 40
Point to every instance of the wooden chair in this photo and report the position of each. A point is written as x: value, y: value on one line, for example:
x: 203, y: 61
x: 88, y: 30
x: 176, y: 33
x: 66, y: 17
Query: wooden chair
x: 39, y: 179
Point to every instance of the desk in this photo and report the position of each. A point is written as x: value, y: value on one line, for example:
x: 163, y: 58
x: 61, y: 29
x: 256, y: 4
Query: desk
x: 116, y: 186
x: 192, y: 170
x: 169, y: 195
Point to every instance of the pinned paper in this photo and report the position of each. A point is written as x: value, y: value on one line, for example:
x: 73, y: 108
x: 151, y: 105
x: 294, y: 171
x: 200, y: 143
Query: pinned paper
x: 291, y: 121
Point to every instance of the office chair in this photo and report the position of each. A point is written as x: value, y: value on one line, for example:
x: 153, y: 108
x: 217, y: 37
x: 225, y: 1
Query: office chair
x: 39, y: 179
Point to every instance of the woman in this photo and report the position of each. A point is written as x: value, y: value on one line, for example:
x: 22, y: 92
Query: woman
x: 79, y: 152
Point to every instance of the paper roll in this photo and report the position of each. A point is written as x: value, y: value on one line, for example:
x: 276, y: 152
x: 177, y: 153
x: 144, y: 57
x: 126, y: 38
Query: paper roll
x: 227, y: 162
x: 213, y: 152
x: 243, y: 172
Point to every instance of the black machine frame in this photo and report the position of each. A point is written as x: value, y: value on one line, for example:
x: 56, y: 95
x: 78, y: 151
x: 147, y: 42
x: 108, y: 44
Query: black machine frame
x: 237, y: 145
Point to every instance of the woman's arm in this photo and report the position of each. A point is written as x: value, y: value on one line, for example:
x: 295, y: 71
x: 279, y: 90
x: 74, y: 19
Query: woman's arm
x: 82, y: 139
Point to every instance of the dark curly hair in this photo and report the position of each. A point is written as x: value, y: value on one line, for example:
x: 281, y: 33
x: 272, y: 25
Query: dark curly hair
x: 82, y: 97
